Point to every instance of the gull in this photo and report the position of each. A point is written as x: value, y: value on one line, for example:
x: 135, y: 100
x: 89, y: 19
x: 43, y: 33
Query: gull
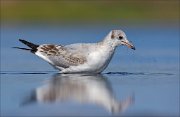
x: 80, y: 57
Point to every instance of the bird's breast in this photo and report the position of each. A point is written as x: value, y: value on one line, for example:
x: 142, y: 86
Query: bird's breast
x: 99, y: 59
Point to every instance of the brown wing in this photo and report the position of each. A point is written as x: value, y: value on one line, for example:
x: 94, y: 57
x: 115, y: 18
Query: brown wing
x: 59, y: 55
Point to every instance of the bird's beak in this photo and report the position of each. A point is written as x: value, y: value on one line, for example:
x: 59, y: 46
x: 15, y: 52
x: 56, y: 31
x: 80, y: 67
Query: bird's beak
x: 129, y: 44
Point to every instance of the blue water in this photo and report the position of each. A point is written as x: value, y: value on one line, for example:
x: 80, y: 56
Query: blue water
x: 149, y: 75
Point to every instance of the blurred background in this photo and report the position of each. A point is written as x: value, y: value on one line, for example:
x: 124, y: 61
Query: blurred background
x: 112, y: 11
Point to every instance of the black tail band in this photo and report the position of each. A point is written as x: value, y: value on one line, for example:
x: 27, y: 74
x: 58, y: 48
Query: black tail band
x: 29, y: 44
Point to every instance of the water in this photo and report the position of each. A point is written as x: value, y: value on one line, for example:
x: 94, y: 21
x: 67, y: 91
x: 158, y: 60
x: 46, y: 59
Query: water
x: 142, y: 82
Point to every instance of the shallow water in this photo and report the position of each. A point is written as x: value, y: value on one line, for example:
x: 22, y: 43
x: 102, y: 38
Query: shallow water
x: 141, y: 82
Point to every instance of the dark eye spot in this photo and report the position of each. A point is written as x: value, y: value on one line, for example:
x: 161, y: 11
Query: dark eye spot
x: 120, y: 37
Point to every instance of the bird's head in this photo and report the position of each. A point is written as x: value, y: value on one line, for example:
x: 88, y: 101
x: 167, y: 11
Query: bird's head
x: 118, y: 37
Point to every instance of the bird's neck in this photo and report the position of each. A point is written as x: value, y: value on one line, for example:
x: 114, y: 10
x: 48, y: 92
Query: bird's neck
x: 107, y: 41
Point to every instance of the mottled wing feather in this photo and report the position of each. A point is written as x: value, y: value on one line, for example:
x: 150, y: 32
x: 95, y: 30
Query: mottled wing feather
x: 61, y: 56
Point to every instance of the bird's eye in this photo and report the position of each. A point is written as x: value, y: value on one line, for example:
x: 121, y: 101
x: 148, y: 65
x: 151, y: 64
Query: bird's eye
x: 120, y: 37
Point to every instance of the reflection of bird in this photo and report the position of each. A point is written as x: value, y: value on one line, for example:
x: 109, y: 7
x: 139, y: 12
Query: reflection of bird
x: 93, y: 89
x: 80, y: 58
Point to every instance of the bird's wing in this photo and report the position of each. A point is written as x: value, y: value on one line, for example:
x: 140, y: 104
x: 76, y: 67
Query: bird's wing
x: 61, y: 56
x: 80, y: 47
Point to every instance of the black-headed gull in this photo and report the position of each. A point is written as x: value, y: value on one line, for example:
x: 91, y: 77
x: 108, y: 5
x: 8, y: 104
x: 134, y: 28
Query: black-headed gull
x: 80, y: 57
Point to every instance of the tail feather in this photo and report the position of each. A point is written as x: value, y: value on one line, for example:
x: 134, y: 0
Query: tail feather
x: 29, y: 44
x: 33, y: 47
x: 21, y: 48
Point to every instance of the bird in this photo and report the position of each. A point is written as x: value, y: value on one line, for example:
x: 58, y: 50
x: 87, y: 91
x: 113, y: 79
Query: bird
x: 80, y: 57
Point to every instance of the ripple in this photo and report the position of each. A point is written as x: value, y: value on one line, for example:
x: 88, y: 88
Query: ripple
x: 136, y: 73
x: 26, y: 72
x: 108, y: 73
